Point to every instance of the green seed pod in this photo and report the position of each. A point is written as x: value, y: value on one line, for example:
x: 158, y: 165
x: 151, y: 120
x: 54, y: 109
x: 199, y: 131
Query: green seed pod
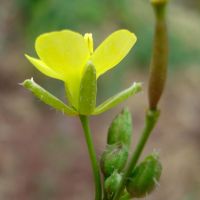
x: 145, y: 177
x: 112, y: 183
x: 113, y: 158
x: 121, y: 129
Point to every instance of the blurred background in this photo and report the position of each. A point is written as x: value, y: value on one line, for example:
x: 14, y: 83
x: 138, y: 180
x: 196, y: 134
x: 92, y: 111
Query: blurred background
x: 43, y: 154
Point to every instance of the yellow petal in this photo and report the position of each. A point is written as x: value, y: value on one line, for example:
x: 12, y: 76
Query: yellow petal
x: 112, y: 50
x: 65, y: 52
x: 72, y: 86
x: 42, y: 67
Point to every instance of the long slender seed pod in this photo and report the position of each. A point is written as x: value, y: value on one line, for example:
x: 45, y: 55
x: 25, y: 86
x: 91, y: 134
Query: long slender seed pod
x: 159, y: 62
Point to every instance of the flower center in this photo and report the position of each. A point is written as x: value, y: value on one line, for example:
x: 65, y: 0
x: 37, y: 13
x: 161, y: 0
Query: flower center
x: 89, y: 41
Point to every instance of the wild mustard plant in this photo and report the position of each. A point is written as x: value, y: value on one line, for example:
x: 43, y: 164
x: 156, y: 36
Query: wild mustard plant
x: 70, y: 57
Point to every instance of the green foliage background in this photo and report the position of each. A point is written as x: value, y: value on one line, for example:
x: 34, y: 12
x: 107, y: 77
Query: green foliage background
x: 105, y: 16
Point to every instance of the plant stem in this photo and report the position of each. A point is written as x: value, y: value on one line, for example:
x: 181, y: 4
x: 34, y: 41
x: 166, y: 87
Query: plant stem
x: 151, y: 119
x: 93, y: 158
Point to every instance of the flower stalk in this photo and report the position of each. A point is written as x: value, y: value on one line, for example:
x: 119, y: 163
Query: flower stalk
x: 95, y: 166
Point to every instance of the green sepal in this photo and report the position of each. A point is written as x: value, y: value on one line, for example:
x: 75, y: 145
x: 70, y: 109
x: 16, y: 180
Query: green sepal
x: 88, y: 90
x: 120, y: 129
x: 113, y: 158
x: 111, y: 184
x: 118, y: 98
x: 47, y: 97
x: 145, y: 177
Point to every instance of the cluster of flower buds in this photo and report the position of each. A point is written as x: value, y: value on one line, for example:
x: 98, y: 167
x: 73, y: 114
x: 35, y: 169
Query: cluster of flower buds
x: 144, y: 178
x: 115, y: 156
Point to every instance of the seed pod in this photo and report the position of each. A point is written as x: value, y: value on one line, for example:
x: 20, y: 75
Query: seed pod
x: 112, y: 183
x: 113, y: 158
x: 159, y: 60
x: 145, y: 177
x: 121, y: 129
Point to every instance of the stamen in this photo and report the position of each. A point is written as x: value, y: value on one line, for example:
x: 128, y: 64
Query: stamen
x: 89, y: 41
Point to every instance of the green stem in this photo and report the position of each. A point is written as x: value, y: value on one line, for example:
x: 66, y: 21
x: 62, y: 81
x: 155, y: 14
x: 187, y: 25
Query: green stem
x: 151, y: 119
x: 93, y: 158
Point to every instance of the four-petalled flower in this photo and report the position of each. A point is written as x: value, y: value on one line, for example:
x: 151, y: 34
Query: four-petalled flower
x: 66, y: 55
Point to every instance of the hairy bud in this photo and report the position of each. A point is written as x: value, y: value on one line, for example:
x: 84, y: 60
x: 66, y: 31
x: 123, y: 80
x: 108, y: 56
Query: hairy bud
x: 112, y: 183
x: 113, y: 158
x: 145, y: 177
x: 120, y: 129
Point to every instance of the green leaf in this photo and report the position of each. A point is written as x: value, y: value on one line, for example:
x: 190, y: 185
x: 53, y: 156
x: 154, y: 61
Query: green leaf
x: 88, y: 90
x: 118, y: 98
x: 47, y: 97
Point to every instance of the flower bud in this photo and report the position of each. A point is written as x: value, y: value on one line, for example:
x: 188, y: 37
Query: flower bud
x: 112, y: 183
x: 159, y: 61
x: 145, y: 177
x: 113, y: 158
x: 120, y: 129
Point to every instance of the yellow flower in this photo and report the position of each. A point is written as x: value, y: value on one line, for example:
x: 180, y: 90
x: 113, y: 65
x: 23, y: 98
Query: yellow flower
x: 65, y: 54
